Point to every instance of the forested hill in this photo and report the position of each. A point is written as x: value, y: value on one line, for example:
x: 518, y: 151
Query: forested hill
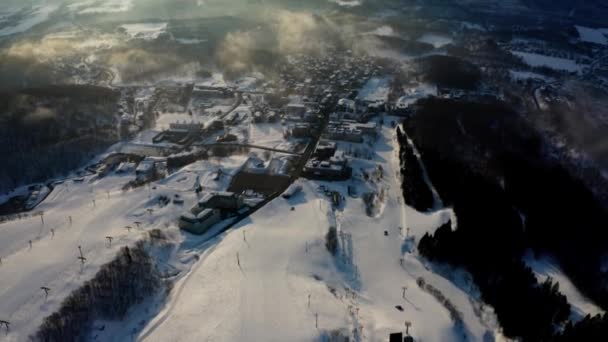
x: 488, y: 165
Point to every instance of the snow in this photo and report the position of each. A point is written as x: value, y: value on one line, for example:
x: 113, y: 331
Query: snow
x: 545, y: 267
x: 190, y: 41
x: 384, y: 30
x: 375, y: 90
x: 98, y: 208
x: 472, y: 26
x: 20, y: 191
x: 283, y: 261
x: 435, y: 39
x: 216, y: 80
x: 415, y: 93
x: 524, y: 75
x: 348, y: 3
x: 101, y: 7
x: 145, y: 31
x: 590, y: 35
x: 268, y: 135
x: 39, y: 14
x: 538, y: 60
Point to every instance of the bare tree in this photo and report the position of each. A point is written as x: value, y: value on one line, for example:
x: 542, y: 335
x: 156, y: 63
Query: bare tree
x: 128, y: 228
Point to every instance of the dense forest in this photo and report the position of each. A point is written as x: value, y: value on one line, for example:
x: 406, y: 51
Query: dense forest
x: 450, y: 72
x: 488, y: 165
x: 46, y: 132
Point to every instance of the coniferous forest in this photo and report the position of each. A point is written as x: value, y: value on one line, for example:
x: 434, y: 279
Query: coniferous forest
x: 488, y: 165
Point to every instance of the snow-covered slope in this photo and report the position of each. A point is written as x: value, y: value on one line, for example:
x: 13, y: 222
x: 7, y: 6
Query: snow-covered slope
x: 283, y: 260
x: 83, y: 213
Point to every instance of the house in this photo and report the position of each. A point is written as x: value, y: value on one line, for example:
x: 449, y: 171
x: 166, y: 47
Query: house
x: 199, y: 223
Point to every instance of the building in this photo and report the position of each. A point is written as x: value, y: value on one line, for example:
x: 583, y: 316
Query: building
x: 325, y: 150
x: 301, y: 130
x: 334, y: 169
x: 201, y: 222
x: 227, y: 201
x: 295, y: 109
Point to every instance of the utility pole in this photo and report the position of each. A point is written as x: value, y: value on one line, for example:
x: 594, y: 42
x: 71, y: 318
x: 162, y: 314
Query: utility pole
x: 70, y: 220
x: 46, y: 292
x: 42, y: 217
x: 309, y: 300
x: 128, y: 229
x: 81, y: 257
x: 30, y: 242
x: 6, y: 325
x: 137, y: 223
x: 316, y: 320
x: 408, y: 324
x: 404, y: 288
x: 109, y: 238
x: 238, y: 260
x: 52, y: 233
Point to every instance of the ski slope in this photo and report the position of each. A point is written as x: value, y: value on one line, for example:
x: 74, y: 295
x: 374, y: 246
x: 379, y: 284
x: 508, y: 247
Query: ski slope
x: 97, y: 208
x: 255, y: 282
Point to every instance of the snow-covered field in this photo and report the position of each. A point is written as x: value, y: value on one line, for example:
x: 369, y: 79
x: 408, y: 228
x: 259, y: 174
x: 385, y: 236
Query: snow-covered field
x: 591, y: 35
x: 376, y: 89
x: 145, y: 31
x: 415, y: 93
x: 99, y: 7
x: 557, y: 63
x: 435, y: 39
x: 525, y: 75
x: 348, y: 3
